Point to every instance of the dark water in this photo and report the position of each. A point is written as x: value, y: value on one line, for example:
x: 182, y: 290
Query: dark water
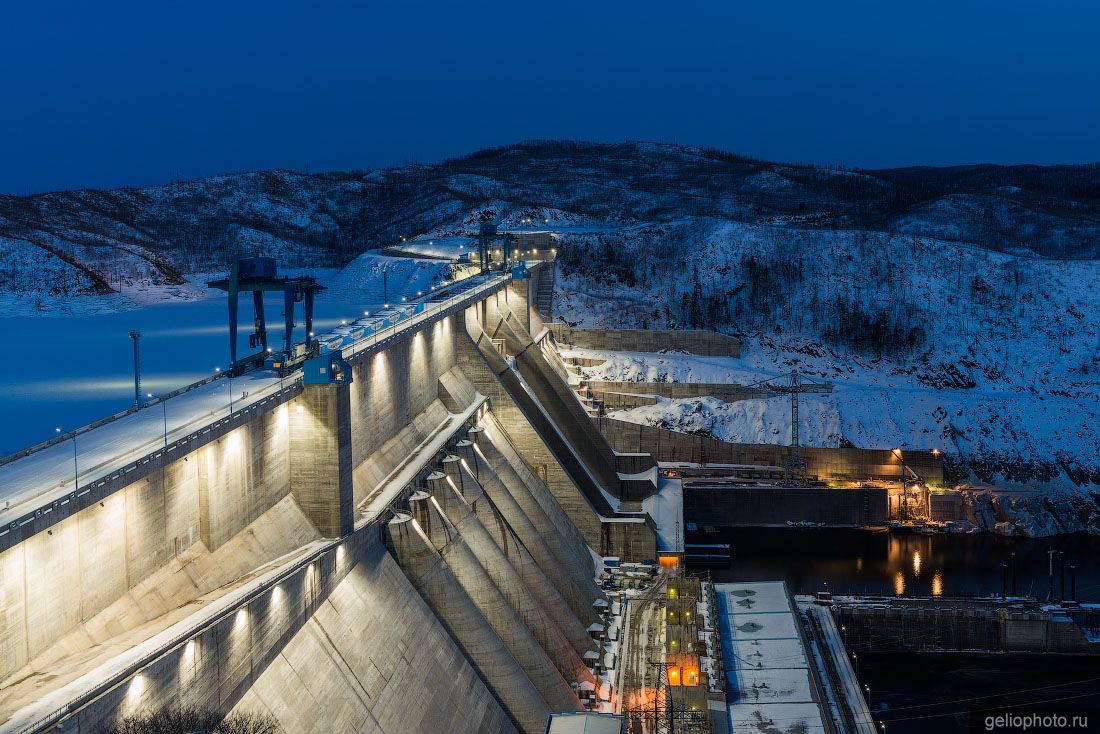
x: 916, y: 693
x: 863, y: 562
x: 81, y: 368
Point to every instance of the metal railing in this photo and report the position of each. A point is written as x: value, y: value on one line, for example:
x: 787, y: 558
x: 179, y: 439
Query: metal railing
x: 432, y: 311
x: 155, y: 449
x: 61, y: 438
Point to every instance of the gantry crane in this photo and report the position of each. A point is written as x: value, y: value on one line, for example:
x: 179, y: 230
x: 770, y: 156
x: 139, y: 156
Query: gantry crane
x: 487, y: 235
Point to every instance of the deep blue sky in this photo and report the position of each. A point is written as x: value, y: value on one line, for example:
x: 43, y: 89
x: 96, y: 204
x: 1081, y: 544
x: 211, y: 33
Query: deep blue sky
x: 129, y: 93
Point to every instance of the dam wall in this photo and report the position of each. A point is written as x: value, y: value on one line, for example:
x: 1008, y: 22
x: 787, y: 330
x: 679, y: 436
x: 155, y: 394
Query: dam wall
x: 153, y: 544
x: 733, y: 506
x: 626, y: 395
x: 389, y: 389
x: 340, y: 634
x: 251, y: 571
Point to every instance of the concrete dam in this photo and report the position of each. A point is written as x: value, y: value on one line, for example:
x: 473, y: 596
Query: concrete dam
x: 411, y: 547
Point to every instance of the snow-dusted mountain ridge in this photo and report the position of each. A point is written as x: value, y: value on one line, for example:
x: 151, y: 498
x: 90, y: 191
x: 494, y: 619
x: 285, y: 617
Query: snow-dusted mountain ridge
x: 86, y: 240
x: 954, y: 307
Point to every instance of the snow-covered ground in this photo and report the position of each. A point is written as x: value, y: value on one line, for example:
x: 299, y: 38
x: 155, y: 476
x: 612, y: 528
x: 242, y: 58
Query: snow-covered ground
x: 372, y: 278
x: 767, y: 667
x: 995, y: 359
x: 868, y: 408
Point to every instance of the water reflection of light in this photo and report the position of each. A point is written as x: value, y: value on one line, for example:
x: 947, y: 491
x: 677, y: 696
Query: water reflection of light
x: 894, y: 550
x: 100, y: 387
x: 899, y: 583
x: 916, y: 563
x: 937, y: 584
x: 859, y: 564
x: 184, y: 331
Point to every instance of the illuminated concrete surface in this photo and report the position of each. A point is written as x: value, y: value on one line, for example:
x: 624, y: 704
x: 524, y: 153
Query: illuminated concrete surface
x: 466, y: 624
x: 247, y: 571
x: 498, y: 611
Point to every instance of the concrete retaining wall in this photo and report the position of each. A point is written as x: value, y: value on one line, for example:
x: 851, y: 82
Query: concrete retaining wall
x: 838, y: 464
x: 705, y: 343
x: 753, y: 506
x: 626, y: 395
x: 949, y: 626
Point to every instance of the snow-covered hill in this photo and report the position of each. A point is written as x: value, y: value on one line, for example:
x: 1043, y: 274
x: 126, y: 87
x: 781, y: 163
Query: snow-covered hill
x: 91, y: 241
x: 954, y: 307
x: 991, y: 357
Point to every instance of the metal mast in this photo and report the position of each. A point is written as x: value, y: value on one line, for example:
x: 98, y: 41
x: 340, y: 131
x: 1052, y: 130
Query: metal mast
x: 792, y: 384
x: 658, y: 717
x: 136, y: 336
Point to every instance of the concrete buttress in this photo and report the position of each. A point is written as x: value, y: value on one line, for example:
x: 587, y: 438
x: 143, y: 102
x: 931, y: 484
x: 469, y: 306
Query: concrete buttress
x: 467, y: 625
x: 543, y: 583
x: 576, y: 563
x: 552, y: 565
x: 534, y: 499
x: 320, y: 457
x: 544, y: 620
x: 468, y: 568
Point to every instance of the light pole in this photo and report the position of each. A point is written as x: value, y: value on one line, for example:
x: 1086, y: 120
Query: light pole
x: 164, y: 412
x: 76, y: 471
x: 229, y: 377
x: 904, y: 487
x: 136, y: 336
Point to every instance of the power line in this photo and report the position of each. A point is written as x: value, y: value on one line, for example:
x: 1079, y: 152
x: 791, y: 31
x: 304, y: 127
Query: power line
x: 1004, y: 708
x: 995, y: 695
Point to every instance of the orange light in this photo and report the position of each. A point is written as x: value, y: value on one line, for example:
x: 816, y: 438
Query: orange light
x: 683, y: 669
x: 668, y: 561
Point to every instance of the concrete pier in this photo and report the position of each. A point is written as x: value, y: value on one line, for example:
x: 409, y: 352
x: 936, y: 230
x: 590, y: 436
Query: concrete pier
x: 545, y: 621
x: 490, y: 600
x: 513, y: 548
x: 503, y: 501
x: 467, y: 625
x: 500, y: 479
x: 532, y: 493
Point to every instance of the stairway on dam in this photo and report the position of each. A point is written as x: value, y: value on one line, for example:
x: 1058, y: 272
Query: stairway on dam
x: 411, y: 549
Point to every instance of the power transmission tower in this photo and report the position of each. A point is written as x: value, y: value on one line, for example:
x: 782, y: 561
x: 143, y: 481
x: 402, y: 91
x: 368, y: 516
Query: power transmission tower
x: 658, y: 716
x: 793, y: 384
